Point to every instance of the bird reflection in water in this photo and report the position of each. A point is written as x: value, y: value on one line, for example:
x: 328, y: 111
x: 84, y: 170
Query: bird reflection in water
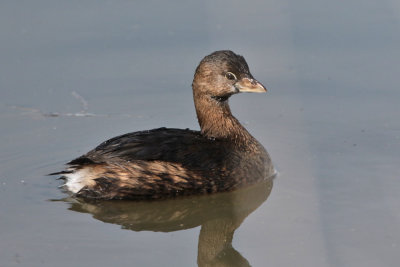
x: 218, y: 215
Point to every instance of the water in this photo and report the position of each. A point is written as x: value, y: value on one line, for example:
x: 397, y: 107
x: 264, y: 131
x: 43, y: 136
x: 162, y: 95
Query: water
x: 76, y: 73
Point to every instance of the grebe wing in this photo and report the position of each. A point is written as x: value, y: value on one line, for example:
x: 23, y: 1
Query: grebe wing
x: 166, y: 144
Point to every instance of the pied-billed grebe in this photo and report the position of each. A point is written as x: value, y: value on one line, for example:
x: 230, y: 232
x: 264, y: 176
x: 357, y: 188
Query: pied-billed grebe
x: 166, y: 162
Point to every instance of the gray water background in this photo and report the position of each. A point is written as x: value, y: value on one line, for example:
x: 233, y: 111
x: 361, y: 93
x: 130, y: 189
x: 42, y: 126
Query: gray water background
x: 330, y: 122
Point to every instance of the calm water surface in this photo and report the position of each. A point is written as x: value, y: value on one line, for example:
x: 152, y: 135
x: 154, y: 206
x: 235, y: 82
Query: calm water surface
x: 74, y: 73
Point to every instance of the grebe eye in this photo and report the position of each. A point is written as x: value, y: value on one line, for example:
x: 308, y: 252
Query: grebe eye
x: 230, y: 76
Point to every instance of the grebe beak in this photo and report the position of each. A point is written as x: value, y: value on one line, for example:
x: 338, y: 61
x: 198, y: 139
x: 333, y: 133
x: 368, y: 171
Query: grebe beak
x: 250, y: 85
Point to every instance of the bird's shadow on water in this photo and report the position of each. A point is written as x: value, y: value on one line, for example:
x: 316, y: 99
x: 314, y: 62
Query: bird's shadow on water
x: 219, y: 215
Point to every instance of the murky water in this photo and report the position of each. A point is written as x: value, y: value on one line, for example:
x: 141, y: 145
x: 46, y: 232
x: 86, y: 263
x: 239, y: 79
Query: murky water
x: 74, y: 73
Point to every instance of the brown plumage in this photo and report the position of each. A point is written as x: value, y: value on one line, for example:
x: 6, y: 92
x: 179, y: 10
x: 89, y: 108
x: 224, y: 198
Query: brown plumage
x: 166, y: 162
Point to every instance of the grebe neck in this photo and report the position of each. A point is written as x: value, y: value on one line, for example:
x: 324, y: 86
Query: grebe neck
x: 216, y: 120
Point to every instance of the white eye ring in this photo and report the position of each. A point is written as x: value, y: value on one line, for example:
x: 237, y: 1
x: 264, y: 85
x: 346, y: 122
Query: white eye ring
x: 230, y: 76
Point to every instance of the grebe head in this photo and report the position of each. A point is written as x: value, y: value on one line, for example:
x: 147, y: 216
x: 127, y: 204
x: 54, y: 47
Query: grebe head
x: 222, y: 74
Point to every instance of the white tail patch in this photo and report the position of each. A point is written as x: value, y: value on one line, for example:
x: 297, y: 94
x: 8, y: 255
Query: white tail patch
x: 77, y: 180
